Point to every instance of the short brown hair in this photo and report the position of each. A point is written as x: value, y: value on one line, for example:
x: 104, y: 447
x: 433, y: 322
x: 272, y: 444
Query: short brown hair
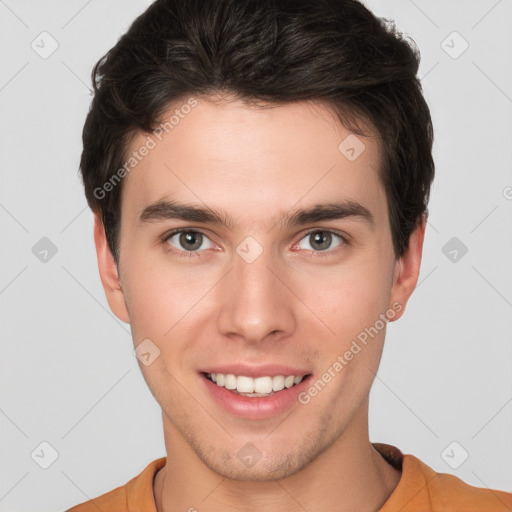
x: 277, y: 51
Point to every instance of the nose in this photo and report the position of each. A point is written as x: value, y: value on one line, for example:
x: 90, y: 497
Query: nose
x: 257, y: 303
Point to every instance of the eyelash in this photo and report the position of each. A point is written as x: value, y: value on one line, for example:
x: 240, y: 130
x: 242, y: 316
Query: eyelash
x: 193, y: 254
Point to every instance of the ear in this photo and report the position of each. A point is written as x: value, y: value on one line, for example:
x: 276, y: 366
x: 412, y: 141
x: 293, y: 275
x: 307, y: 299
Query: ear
x: 109, y: 273
x: 407, y: 269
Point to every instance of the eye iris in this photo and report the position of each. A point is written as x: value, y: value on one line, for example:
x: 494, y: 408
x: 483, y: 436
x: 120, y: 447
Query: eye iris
x: 318, y: 236
x: 190, y: 237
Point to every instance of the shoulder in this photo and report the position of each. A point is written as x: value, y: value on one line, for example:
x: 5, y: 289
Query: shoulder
x: 136, y: 495
x: 444, y: 492
x: 452, y: 493
x: 422, y: 489
x: 110, y: 501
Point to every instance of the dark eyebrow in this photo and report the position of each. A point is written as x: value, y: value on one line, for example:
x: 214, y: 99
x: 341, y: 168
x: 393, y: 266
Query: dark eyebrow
x: 164, y: 210
x: 331, y: 211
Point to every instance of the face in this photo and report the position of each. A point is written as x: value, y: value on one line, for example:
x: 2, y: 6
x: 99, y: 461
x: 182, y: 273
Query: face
x: 288, y: 269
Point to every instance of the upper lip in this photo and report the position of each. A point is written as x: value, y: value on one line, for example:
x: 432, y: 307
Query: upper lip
x: 254, y: 371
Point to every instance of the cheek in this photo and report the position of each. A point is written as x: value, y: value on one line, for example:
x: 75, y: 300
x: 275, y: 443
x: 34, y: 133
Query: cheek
x: 352, y: 296
x: 151, y: 296
x: 164, y: 298
x: 352, y: 309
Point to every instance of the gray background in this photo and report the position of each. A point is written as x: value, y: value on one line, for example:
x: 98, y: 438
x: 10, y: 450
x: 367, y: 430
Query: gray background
x: 68, y: 374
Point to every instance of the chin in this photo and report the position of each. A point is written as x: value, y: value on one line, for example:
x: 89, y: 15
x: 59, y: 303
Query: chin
x: 268, y: 468
x: 257, y: 473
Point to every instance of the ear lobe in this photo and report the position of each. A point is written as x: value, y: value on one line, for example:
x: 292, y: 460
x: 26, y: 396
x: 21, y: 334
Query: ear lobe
x: 109, y: 274
x: 407, y: 269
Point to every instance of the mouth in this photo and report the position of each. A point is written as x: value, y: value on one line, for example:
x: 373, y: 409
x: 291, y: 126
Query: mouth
x: 255, y: 392
x: 257, y: 387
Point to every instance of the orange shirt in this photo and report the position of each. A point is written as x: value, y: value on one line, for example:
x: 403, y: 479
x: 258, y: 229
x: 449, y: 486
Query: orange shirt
x: 420, y: 489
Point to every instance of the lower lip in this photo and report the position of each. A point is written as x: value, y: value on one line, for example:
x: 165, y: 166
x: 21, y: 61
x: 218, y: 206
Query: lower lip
x: 255, y: 408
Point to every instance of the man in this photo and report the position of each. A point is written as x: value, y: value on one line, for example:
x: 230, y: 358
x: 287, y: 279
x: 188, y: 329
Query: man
x: 260, y: 173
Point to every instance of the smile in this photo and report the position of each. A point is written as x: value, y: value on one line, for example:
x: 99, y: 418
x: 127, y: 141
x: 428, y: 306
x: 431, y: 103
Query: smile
x: 255, y: 398
x: 254, y: 387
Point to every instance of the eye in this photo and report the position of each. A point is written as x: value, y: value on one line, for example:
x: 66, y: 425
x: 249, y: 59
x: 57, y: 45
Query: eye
x: 188, y: 241
x: 321, y: 240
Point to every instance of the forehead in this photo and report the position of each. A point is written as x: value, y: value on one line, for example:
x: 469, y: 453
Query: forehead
x: 253, y: 161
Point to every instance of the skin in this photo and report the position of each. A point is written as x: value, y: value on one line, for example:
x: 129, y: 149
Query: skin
x: 295, y: 304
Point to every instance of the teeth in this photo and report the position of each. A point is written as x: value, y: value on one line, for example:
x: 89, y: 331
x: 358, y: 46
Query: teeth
x: 230, y: 381
x: 260, y: 386
x: 263, y: 385
x: 243, y: 384
x: 278, y: 383
x: 288, y: 382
